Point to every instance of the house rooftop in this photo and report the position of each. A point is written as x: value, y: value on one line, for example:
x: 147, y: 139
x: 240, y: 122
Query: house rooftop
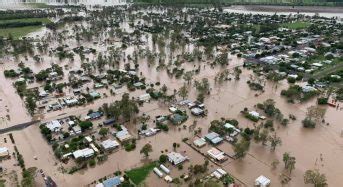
x: 109, y: 144
x: 176, y: 158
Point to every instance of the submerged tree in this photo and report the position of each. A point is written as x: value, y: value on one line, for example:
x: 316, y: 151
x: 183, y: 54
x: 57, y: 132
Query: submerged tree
x: 146, y: 149
x: 289, y: 162
x: 241, y: 148
x: 274, y: 141
x: 315, y: 178
x: 183, y: 91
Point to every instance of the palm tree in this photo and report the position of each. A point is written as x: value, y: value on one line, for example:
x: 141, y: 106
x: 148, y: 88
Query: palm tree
x: 291, y: 164
x: 285, y: 159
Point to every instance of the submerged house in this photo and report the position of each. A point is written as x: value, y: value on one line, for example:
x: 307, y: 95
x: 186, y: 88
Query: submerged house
x: 123, y: 135
x: 217, y: 154
x: 176, y: 158
x: 213, y: 138
x: 177, y: 118
x: 109, y: 144
x: 83, y: 153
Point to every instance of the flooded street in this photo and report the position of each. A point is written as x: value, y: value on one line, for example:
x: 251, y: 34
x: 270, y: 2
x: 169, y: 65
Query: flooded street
x: 305, y: 145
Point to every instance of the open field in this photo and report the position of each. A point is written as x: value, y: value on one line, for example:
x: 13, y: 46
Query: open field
x: 27, y: 20
x: 18, y: 32
x: 138, y: 175
x: 296, y: 25
x: 38, y: 5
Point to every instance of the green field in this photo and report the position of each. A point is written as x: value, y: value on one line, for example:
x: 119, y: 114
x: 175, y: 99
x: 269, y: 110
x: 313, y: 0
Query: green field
x: 38, y: 5
x: 337, y: 66
x: 18, y: 32
x: 138, y: 175
x: 28, y: 20
x: 296, y: 25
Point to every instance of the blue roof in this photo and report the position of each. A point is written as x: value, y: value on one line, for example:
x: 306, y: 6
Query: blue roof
x: 217, y: 140
x: 95, y: 115
x: 211, y: 136
x: 111, y: 182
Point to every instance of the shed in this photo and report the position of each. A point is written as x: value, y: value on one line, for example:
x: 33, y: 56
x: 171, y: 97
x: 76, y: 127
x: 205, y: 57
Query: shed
x: 4, y: 152
x: 144, y: 97
x: 199, y: 142
x: 262, y: 181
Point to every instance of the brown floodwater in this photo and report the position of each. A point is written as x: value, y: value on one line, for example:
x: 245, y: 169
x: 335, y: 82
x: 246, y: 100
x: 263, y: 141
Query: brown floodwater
x: 320, y: 148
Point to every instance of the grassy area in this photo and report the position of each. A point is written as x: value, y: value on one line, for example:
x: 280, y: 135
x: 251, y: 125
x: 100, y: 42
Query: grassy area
x: 337, y: 66
x: 18, y: 32
x: 138, y: 175
x: 38, y: 5
x: 27, y: 20
x: 2, y: 182
x: 296, y: 25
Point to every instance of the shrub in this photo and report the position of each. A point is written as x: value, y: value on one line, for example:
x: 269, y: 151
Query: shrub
x: 322, y: 100
x: 163, y: 158
x: 92, y: 162
x: 308, y: 123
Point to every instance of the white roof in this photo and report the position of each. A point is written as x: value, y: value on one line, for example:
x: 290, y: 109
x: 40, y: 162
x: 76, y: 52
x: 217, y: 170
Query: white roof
x: 217, y: 174
x: 89, y: 139
x: 87, y: 152
x: 228, y: 125
x: 254, y: 113
x: 168, y: 178
x: 221, y: 171
x: 262, y: 181
x: 216, y: 154
x: 71, y: 101
x: 176, y: 158
x: 144, y: 97
x: 71, y: 122
x: 197, y: 110
x: 317, y: 64
x: 109, y: 144
x: 199, y: 142
x: 4, y: 151
x: 53, y: 125
x: 123, y: 135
